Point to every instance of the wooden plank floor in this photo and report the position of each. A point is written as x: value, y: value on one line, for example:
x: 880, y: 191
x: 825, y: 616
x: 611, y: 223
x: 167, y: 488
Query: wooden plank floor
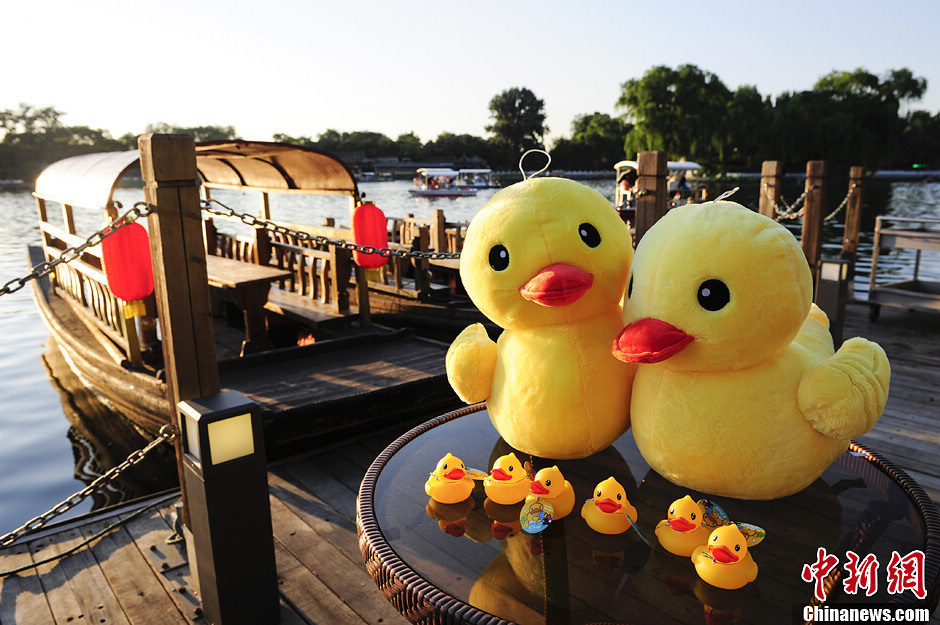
x: 131, y: 576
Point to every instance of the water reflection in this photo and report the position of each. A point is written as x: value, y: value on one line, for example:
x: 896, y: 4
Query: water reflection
x: 102, y: 439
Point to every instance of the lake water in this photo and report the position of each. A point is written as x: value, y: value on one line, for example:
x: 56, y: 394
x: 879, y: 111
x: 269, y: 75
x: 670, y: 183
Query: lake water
x: 48, y: 450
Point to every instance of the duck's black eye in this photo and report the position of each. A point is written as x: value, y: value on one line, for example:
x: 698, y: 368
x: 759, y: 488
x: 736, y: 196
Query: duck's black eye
x: 715, y: 538
x: 445, y: 466
x: 673, y: 511
x: 499, y: 257
x: 548, y: 482
x: 630, y: 287
x: 510, y: 468
x: 598, y: 493
x: 737, y: 547
x: 713, y: 295
x: 693, y: 516
x: 619, y: 497
x: 589, y: 235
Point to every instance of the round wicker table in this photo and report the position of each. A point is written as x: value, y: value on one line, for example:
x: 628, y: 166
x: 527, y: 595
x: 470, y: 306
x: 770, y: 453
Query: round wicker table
x: 469, y: 563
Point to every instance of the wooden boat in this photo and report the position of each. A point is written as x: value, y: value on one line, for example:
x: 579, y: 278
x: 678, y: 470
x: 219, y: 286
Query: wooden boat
x: 439, y: 182
x: 354, y: 373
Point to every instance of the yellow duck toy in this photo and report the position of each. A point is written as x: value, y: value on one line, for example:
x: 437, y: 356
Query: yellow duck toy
x: 507, y: 482
x: 688, y: 525
x: 449, y: 483
x: 725, y: 560
x: 609, y: 510
x: 739, y: 392
x: 547, y: 259
x: 551, y: 486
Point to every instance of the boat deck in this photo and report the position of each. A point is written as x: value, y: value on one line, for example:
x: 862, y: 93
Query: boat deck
x: 131, y: 576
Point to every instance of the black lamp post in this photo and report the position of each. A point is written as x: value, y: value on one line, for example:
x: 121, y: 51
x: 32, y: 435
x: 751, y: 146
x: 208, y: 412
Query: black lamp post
x: 229, y: 510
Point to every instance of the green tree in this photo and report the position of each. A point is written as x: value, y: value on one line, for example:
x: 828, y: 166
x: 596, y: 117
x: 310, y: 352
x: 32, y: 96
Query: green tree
x: 680, y: 111
x: 596, y: 143
x: 518, y: 123
x: 408, y: 145
x: 199, y: 133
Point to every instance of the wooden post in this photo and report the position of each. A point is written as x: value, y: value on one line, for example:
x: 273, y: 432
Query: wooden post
x: 853, y: 219
x: 651, y: 201
x: 209, y: 236
x: 438, y: 230
x: 813, y: 214
x: 262, y: 247
x: 771, y: 186
x: 168, y: 168
x: 265, y: 212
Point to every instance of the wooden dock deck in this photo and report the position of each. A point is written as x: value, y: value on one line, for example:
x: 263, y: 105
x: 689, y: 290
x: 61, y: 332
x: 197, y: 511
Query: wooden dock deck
x: 132, y: 577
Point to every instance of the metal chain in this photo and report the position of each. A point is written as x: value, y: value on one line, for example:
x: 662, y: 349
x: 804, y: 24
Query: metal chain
x: 789, y: 211
x: 167, y: 434
x: 140, y: 209
x: 845, y: 201
x: 251, y: 220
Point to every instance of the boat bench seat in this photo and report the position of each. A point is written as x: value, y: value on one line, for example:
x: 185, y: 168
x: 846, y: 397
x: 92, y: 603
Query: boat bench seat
x: 300, y: 307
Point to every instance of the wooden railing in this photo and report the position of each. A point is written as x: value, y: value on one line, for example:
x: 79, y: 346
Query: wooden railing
x: 85, y: 286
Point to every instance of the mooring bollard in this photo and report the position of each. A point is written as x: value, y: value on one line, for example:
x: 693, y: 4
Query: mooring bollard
x: 832, y: 292
x: 231, y: 545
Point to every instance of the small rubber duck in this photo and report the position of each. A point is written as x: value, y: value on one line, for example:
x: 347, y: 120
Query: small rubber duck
x: 688, y: 525
x: 449, y: 483
x: 725, y: 561
x: 451, y: 517
x: 551, y: 486
x: 507, y: 482
x: 609, y: 512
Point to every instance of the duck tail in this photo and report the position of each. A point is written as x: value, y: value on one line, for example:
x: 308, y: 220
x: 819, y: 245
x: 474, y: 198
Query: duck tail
x: 844, y: 396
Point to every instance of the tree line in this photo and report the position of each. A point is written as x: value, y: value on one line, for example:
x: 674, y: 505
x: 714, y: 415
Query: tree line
x: 847, y: 118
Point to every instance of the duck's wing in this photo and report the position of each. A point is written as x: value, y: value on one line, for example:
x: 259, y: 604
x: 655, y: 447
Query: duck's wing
x: 844, y: 395
x: 470, y: 363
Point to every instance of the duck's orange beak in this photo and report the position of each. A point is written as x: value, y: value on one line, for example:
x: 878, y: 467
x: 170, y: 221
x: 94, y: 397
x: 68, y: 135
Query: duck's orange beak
x: 607, y: 505
x: 557, y: 285
x: 722, y: 554
x: 537, y: 488
x: 499, y: 474
x: 680, y: 524
x: 455, y: 474
x: 649, y: 340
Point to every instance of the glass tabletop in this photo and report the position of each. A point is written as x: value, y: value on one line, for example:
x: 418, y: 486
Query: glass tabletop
x: 474, y: 553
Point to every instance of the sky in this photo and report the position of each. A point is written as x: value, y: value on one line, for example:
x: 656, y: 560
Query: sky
x: 302, y: 66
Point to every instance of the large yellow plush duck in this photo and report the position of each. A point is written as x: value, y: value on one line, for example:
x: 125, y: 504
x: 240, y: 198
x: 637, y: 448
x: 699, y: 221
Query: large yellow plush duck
x: 688, y: 525
x: 449, y: 482
x: 547, y: 259
x: 507, y: 482
x: 551, y: 486
x: 738, y: 392
x: 609, y: 511
x: 725, y: 561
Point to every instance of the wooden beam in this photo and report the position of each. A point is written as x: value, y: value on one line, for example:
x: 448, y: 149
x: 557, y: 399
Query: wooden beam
x: 813, y: 215
x: 853, y: 218
x: 651, y: 201
x: 168, y: 168
x: 771, y: 186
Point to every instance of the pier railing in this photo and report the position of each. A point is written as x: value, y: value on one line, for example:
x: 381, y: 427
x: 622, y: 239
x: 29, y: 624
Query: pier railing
x: 85, y: 287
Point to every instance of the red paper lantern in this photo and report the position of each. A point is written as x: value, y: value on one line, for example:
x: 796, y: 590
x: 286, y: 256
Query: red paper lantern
x: 369, y: 228
x: 127, y: 265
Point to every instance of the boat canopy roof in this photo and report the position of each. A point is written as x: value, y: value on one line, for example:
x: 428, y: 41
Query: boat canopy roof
x: 437, y: 171
x: 89, y: 180
x: 476, y: 171
x: 672, y: 166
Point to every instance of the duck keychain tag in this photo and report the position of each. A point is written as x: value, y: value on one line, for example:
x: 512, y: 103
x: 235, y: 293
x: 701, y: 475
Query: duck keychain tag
x: 535, y: 516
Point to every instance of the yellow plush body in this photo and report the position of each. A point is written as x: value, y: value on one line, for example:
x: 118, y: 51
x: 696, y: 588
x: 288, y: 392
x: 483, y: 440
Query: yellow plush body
x: 546, y: 259
x: 747, y: 400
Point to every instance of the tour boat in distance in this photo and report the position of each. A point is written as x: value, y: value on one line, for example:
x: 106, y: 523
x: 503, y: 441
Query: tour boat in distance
x: 626, y: 175
x: 476, y: 179
x: 439, y: 182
